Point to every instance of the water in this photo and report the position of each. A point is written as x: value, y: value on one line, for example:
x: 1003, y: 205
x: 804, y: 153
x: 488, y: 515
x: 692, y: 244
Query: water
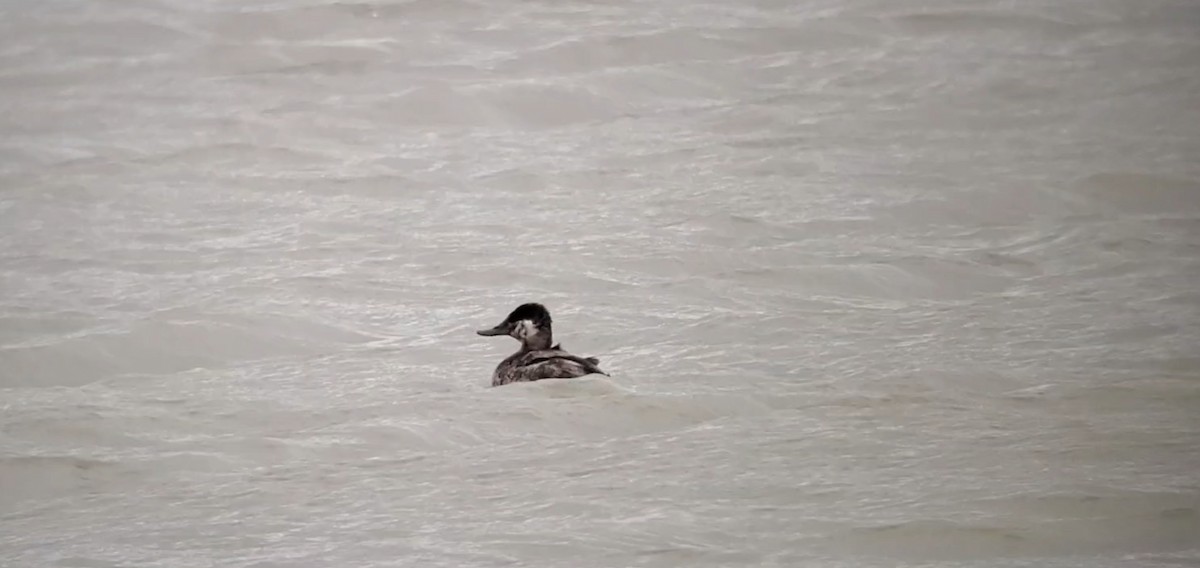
x: 879, y: 284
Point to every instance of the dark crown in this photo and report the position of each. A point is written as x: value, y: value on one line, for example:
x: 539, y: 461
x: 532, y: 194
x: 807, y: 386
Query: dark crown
x: 536, y: 313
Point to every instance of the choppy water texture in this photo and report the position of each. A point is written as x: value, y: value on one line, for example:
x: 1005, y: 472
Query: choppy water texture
x: 879, y: 283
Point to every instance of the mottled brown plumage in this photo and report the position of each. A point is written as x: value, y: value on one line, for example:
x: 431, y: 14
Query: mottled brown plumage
x: 536, y: 360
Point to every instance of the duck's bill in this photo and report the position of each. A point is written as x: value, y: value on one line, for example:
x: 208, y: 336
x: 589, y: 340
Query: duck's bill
x: 498, y: 330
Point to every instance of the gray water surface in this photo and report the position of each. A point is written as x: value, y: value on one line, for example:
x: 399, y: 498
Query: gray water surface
x: 878, y: 283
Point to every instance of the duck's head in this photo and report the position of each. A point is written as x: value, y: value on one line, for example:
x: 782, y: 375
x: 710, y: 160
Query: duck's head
x: 529, y: 324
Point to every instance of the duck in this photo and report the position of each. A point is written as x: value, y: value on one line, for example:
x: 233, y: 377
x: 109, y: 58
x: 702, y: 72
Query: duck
x: 538, y: 358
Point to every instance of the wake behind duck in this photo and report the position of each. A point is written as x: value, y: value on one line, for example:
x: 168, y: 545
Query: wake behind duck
x: 536, y: 359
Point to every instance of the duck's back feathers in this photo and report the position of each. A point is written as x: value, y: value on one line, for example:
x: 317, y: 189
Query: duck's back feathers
x: 592, y: 360
x: 553, y: 363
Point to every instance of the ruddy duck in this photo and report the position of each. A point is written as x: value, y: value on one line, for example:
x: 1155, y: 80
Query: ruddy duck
x: 536, y: 360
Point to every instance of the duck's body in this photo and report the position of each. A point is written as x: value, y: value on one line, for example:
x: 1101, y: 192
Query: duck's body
x: 536, y: 360
x: 543, y: 364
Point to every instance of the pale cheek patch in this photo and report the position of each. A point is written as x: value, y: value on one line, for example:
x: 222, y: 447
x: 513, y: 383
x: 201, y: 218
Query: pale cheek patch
x: 524, y: 329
